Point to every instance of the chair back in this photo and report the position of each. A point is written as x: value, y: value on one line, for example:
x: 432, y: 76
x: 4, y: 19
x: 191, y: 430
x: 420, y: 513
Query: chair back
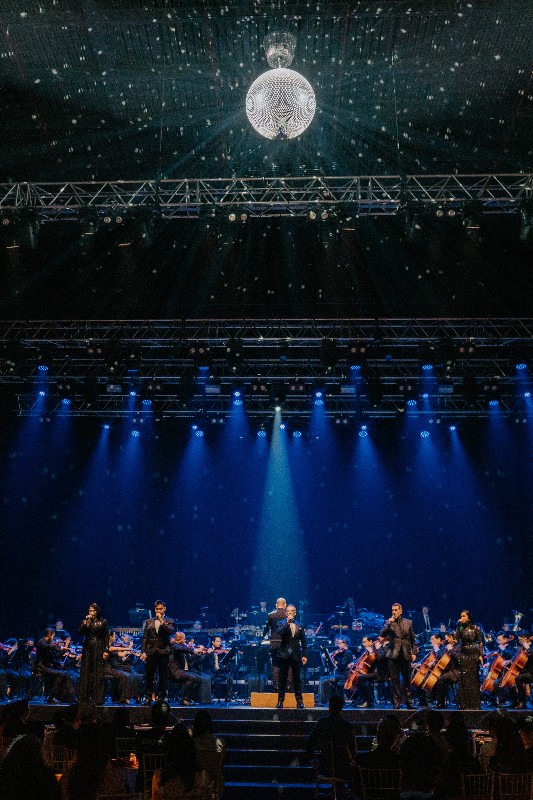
x: 212, y: 761
x: 478, y: 786
x: 379, y: 784
x: 59, y: 758
x: 124, y: 745
x: 515, y: 786
x: 151, y: 762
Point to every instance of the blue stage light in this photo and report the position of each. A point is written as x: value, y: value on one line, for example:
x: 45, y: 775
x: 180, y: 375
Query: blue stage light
x: 147, y: 402
x: 494, y: 403
x: 44, y: 368
x: 106, y: 426
x: 199, y: 433
x: 521, y: 365
x: 261, y: 433
x: 363, y: 433
x: 355, y: 368
x: 237, y: 401
x: 411, y: 402
x: 425, y: 396
x: 135, y: 433
x: 277, y: 409
x: 296, y: 434
x: 66, y: 401
x: 41, y: 393
x: 133, y: 393
x: 424, y: 434
x: 236, y: 393
x: 203, y: 368
x: 527, y: 395
x: 282, y: 426
x: 453, y: 427
x: 427, y: 367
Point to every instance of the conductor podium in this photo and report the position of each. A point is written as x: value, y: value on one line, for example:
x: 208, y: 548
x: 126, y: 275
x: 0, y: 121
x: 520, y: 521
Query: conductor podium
x: 270, y: 700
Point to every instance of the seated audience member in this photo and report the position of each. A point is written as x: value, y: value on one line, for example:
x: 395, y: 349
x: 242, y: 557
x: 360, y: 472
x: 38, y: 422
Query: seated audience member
x: 525, y: 728
x: 180, y: 777
x: 421, y: 766
x: 15, y: 718
x: 67, y: 725
x: 121, y: 724
x: 509, y: 751
x: 334, y: 736
x: 385, y: 755
x: 24, y: 774
x: 210, y: 749
x: 458, y: 760
x: 92, y: 772
x: 153, y: 739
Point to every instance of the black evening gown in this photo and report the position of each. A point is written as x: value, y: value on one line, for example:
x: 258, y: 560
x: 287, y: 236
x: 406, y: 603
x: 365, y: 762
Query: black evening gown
x: 470, y: 642
x: 92, y: 688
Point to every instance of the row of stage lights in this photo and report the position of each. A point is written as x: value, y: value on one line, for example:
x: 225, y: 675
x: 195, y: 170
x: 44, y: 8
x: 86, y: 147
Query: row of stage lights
x: 19, y: 229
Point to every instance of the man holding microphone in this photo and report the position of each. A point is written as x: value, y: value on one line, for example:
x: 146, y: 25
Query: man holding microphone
x: 401, y: 652
x: 291, y: 654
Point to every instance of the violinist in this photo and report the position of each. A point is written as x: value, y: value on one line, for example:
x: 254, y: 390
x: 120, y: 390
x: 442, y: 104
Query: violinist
x: 126, y: 683
x: 451, y: 672
x: 340, y: 659
x: 57, y: 684
x: 378, y: 673
x: 525, y: 678
x: 218, y: 663
x: 179, y: 669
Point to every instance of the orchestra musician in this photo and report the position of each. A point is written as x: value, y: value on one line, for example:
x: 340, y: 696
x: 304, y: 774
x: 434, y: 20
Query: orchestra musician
x: 504, y: 651
x: 292, y: 653
x: 271, y: 627
x: 58, y: 686
x: 470, y: 642
x: 217, y: 665
x: 155, y: 651
x: 179, y: 669
x: 451, y: 672
x: 96, y: 642
x: 127, y: 683
x: 341, y: 659
x: 378, y: 672
x: 525, y: 677
x: 401, y: 652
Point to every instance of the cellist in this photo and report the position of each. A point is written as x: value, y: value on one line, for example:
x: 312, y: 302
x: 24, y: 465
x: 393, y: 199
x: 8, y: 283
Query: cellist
x: 378, y: 672
x: 438, y: 649
x: 525, y: 678
x: 504, y: 651
x: 450, y: 674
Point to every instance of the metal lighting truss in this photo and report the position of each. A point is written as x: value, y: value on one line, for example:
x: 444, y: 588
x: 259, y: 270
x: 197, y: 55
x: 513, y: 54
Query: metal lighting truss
x: 272, y: 362
x: 380, y: 195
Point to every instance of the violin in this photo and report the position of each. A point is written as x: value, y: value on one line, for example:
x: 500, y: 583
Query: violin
x: 360, y: 667
x: 422, y: 668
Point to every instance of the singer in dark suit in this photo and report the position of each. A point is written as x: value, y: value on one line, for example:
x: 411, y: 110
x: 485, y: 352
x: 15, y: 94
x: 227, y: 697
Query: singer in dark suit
x: 291, y: 654
x: 401, y: 652
x: 271, y: 626
x: 155, y: 650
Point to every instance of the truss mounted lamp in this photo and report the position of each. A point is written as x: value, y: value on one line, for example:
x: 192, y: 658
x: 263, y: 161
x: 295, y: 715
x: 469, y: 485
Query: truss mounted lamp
x: 280, y: 103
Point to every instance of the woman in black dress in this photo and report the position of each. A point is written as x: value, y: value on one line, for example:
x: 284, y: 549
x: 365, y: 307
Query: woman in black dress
x: 96, y: 643
x: 470, y: 641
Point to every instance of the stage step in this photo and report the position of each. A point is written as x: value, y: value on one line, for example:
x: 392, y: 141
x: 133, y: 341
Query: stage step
x: 262, y: 791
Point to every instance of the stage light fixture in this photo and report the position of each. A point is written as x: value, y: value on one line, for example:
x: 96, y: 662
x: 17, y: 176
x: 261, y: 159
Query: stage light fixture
x: 280, y: 103
x: 424, y: 434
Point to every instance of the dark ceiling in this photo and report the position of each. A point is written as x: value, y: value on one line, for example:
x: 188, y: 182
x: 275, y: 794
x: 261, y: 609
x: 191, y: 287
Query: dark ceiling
x: 118, y: 89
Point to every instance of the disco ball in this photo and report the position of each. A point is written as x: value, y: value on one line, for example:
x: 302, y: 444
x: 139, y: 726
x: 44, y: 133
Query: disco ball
x: 280, y: 104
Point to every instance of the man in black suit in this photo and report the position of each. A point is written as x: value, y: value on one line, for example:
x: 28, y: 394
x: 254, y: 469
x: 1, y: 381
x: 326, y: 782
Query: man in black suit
x: 401, y: 651
x: 155, y: 650
x: 271, y: 625
x: 292, y: 652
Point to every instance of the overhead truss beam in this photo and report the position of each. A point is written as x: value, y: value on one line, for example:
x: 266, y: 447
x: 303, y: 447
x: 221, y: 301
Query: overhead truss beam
x: 380, y: 195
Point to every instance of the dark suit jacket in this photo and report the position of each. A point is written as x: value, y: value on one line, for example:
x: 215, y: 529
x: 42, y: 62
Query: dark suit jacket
x: 272, y: 625
x: 292, y: 646
x: 401, y: 638
x: 157, y: 643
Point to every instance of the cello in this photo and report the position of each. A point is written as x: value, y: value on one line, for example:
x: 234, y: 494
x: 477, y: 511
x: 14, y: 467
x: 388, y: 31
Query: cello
x: 495, y: 669
x: 422, y: 668
x: 437, y: 670
x: 360, y: 667
x: 514, y: 669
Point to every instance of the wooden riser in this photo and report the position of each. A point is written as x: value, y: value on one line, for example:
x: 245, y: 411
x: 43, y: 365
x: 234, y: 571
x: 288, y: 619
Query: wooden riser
x: 270, y: 700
